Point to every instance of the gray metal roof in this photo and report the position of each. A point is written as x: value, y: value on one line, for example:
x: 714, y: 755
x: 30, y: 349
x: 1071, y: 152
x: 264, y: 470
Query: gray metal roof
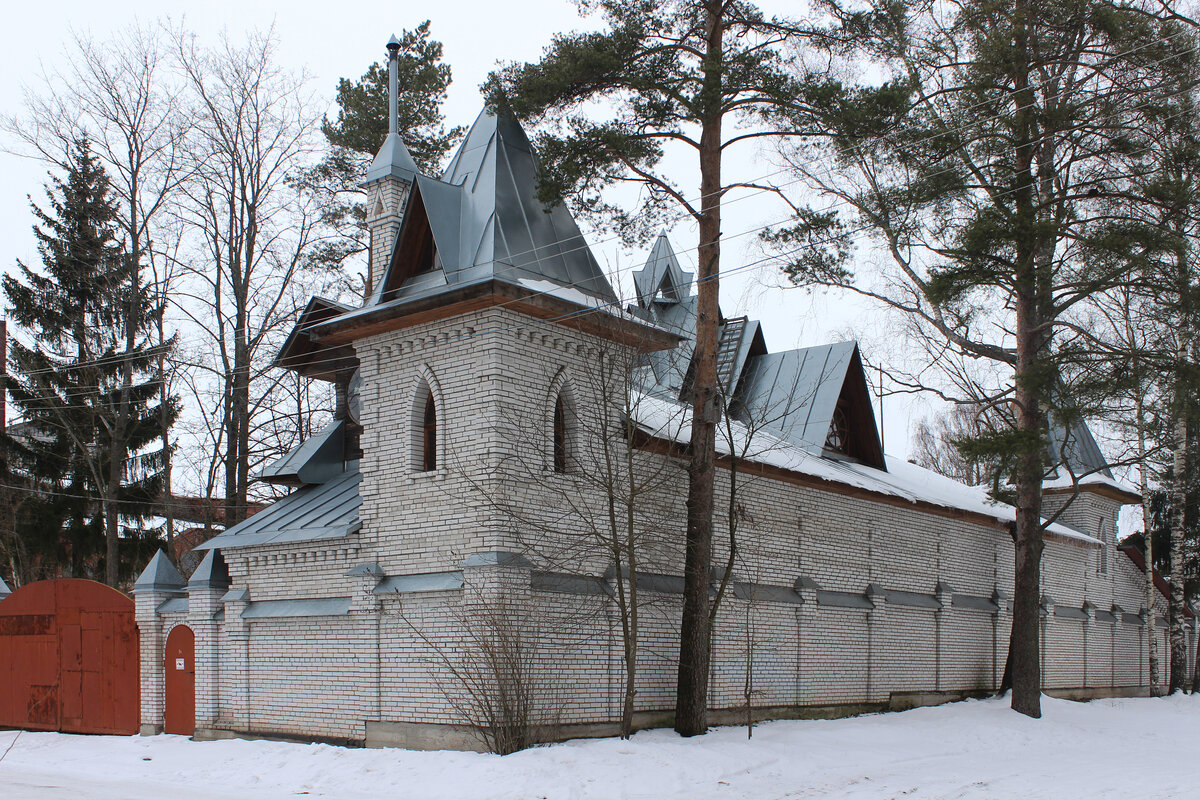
x: 211, y: 574
x: 487, y: 221
x: 325, y: 511
x: 794, y: 393
x: 4, y: 590
x: 315, y: 460
x: 662, y: 279
x: 1075, y: 447
x: 159, y: 575
x: 299, y: 607
x: 392, y: 160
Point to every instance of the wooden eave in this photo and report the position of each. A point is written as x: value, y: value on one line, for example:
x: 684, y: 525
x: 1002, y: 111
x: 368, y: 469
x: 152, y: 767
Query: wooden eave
x: 1103, y: 489
x: 492, y: 293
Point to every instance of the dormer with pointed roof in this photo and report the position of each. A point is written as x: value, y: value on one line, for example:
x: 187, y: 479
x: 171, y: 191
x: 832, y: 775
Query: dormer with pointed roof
x: 662, y: 280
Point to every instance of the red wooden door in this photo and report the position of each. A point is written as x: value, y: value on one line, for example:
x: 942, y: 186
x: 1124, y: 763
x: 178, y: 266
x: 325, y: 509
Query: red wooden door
x: 180, y: 665
x: 70, y: 658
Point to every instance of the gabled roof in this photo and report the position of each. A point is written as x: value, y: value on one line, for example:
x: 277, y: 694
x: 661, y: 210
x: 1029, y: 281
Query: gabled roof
x: 302, y: 354
x: 796, y: 393
x: 326, y: 511
x: 486, y: 221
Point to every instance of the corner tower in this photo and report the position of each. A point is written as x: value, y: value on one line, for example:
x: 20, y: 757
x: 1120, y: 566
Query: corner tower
x: 388, y: 183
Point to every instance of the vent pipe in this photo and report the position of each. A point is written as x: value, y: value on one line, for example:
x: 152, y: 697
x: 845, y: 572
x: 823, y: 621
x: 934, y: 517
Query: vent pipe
x: 393, y: 48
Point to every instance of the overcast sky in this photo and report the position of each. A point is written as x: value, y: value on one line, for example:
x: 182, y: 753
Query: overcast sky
x: 332, y: 40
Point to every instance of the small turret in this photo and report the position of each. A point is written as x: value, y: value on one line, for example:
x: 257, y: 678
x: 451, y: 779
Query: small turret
x: 388, y: 182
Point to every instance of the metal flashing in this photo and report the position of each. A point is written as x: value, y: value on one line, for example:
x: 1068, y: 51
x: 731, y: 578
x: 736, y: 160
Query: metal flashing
x: 496, y: 558
x: 565, y: 583
x: 175, y: 605
x: 421, y: 582
x: 911, y: 599
x: 766, y: 593
x: 844, y: 600
x: 1070, y: 612
x: 236, y: 596
x: 303, y: 607
x: 975, y: 603
x: 1133, y: 619
x: 1105, y: 616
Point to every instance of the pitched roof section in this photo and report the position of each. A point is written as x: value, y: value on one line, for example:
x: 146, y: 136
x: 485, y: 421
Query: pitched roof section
x: 662, y: 279
x: 159, y: 575
x: 486, y: 223
x: 392, y: 160
x: 1074, y: 446
x: 315, y: 460
x: 325, y: 511
x: 796, y: 394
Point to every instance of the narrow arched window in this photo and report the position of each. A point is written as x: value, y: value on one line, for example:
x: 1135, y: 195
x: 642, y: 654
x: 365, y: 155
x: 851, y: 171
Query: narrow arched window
x: 429, y: 436
x: 560, y: 435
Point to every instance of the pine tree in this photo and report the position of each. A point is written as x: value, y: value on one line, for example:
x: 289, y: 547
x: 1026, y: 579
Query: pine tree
x: 693, y: 74
x: 981, y: 164
x: 357, y: 132
x: 87, y: 383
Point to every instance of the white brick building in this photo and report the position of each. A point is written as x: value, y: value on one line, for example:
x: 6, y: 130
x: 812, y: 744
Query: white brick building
x: 460, y: 473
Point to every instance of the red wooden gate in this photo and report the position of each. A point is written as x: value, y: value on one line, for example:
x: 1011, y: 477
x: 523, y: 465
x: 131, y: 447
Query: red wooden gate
x: 68, y: 658
x: 180, y: 716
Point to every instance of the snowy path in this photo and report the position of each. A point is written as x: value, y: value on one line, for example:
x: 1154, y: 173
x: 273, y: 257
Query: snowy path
x: 964, y: 750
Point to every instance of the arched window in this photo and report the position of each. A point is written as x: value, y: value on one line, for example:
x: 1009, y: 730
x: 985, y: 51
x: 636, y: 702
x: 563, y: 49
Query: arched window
x: 429, y: 436
x: 560, y: 435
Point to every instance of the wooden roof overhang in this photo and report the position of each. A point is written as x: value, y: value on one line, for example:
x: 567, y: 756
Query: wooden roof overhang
x: 1122, y: 496
x: 303, y: 354
x: 395, y: 315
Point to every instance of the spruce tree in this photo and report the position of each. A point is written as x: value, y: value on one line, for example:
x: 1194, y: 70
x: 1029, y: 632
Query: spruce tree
x: 87, y: 383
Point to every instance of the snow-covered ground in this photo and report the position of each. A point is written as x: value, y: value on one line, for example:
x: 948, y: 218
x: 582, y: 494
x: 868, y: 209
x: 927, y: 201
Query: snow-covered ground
x: 978, y: 749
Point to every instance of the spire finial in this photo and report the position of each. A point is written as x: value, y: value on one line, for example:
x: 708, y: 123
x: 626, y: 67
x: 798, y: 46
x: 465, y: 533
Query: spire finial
x: 393, y: 48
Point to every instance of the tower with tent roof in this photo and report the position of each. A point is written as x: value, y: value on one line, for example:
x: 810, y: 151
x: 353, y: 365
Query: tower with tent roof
x: 329, y: 614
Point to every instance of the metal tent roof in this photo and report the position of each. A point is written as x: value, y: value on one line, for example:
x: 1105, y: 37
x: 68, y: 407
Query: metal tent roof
x: 1074, y: 446
x: 487, y: 222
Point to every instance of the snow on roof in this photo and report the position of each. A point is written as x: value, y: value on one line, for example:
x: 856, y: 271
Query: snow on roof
x: 1063, y: 480
x: 670, y: 420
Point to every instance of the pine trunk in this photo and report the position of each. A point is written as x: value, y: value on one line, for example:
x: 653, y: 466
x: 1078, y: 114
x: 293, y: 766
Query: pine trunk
x: 691, y: 705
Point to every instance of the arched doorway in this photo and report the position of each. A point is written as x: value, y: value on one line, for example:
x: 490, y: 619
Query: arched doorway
x: 180, y: 666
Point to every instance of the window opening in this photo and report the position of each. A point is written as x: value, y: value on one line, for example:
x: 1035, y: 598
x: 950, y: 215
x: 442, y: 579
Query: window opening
x: 429, y: 438
x: 839, y: 432
x: 560, y: 436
